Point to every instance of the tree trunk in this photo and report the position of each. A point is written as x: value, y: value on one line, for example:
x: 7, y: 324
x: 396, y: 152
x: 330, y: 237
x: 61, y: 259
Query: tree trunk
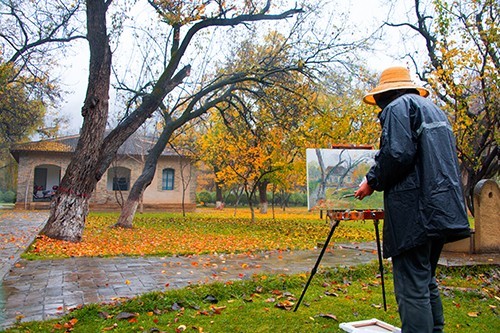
x: 94, y: 153
x: 252, y: 211
x: 141, y: 204
x: 67, y: 219
x: 238, y: 196
x: 219, y: 200
x: 130, y: 207
x: 127, y: 213
x: 272, y: 201
x: 185, y: 181
x: 263, y: 196
x: 69, y: 208
x: 285, y: 197
x: 263, y: 207
x: 148, y: 172
x: 250, y: 203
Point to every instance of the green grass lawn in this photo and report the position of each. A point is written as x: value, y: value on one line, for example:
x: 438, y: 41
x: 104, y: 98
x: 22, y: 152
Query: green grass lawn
x: 265, y: 304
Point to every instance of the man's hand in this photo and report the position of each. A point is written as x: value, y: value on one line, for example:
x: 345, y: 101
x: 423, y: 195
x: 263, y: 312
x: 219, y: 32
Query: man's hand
x: 363, y: 191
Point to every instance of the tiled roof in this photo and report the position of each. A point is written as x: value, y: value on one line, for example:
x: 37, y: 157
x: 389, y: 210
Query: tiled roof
x: 135, y: 145
x: 46, y: 146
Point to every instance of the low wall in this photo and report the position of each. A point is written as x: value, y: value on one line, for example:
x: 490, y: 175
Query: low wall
x: 485, y: 237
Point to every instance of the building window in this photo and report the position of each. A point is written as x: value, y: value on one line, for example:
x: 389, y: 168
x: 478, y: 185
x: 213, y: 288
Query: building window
x: 118, y: 179
x: 120, y: 184
x: 167, y: 179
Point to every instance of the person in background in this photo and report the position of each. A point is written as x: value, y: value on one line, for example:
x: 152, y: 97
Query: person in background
x: 417, y: 168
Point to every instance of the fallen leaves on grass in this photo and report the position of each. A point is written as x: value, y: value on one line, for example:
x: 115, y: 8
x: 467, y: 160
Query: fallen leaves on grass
x: 211, y: 299
x: 328, y: 293
x: 217, y: 309
x: 286, y: 305
x: 328, y: 316
x: 156, y: 234
x: 67, y: 325
x: 109, y: 328
x: 125, y: 315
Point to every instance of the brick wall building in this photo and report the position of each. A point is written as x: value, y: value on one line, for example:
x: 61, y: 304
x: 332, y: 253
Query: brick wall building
x: 42, y: 164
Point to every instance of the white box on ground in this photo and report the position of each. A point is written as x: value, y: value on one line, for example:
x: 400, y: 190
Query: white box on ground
x: 369, y: 326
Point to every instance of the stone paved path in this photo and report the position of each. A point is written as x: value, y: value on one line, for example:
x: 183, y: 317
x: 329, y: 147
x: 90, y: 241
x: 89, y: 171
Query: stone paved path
x: 39, y: 290
x: 17, y: 231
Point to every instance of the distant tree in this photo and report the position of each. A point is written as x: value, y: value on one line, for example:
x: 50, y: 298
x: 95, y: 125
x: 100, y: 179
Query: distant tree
x: 210, y: 156
x: 252, y: 138
x: 20, y: 114
x: 33, y: 35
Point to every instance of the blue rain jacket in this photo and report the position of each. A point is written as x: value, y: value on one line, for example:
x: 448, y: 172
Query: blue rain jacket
x: 417, y: 168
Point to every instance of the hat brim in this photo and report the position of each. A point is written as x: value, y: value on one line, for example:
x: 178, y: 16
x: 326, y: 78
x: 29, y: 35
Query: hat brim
x: 369, y: 99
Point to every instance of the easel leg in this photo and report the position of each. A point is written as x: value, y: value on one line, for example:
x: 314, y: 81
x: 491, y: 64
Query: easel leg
x: 380, y: 263
x: 315, y: 268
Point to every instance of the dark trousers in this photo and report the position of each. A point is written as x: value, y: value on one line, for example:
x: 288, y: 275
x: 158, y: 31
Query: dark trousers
x: 416, y: 289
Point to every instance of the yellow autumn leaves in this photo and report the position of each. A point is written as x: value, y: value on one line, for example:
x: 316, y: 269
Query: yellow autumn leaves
x: 156, y: 235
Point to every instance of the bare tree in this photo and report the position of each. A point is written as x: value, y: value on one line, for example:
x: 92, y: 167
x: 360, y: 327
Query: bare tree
x: 95, y: 152
x: 186, y: 175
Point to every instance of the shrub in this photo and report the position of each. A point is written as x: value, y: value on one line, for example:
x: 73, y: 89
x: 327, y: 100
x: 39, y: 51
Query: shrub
x: 204, y: 197
x: 230, y: 199
x: 9, y: 196
x: 298, y: 199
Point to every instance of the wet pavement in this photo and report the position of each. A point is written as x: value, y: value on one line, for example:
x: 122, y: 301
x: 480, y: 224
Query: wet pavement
x: 40, y: 290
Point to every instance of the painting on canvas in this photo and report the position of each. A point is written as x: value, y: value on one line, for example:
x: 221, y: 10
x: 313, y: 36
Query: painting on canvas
x: 333, y: 175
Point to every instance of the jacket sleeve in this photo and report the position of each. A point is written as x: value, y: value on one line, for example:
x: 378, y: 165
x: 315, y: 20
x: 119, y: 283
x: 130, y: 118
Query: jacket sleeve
x: 398, y: 147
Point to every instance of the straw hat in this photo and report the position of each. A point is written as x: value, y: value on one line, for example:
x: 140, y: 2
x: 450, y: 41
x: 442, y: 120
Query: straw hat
x: 394, y: 78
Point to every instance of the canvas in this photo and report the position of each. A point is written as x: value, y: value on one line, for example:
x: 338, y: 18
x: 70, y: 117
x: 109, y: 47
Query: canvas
x: 369, y: 326
x: 334, y: 174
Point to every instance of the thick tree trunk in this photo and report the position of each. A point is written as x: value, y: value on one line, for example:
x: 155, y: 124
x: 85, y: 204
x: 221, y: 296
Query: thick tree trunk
x: 67, y: 218
x: 264, y: 207
x: 94, y: 153
x: 69, y: 208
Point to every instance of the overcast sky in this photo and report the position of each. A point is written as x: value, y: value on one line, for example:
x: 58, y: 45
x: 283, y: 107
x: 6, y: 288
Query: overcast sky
x: 365, y: 14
